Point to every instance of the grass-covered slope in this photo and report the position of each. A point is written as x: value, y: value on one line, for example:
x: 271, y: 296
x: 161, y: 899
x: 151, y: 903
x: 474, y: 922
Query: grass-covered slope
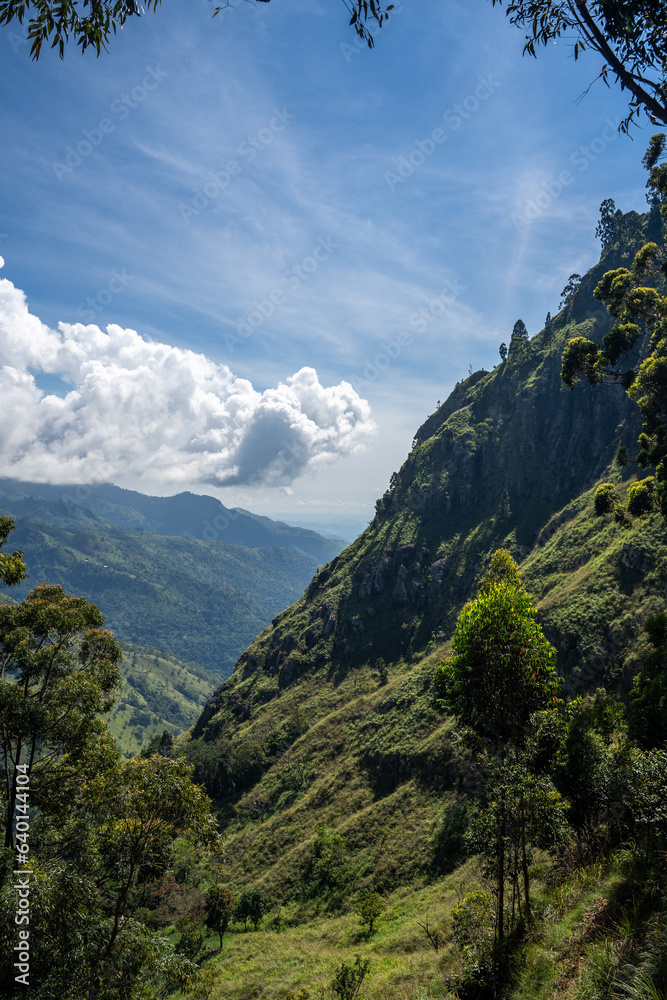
x: 159, y: 693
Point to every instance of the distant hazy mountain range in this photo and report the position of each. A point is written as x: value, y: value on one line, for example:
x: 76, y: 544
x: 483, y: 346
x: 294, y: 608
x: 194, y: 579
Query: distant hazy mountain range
x: 183, y: 576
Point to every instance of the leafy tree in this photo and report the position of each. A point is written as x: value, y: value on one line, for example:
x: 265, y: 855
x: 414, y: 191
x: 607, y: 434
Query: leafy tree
x: 220, y: 909
x: 502, y: 351
x: 501, y: 673
x: 252, y: 906
x: 605, y: 500
x: 502, y: 669
x: 520, y: 809
x: 593, y: 764
x: 59, y: 670
x: 610, y: 226
x: 472, y: 926
x: 629, y: 36
x: 12, y: 567
x: 571, y: 287
x: 191, y: 940
x: 548, y: 323
x: 93, y: 847
x: 369, y: 908
x: 327, y: 869
x: 348, y: 978
x: 519, y: 331
x: 160, y: 744
x: 648, y: 793
x: 642, y: 497
x: 648, y: 698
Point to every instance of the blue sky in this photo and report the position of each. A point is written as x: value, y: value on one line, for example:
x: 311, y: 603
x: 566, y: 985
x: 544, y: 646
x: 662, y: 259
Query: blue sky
x: 259, y: 194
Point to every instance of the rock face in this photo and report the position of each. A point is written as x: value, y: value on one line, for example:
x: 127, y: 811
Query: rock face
x: 496, y: 465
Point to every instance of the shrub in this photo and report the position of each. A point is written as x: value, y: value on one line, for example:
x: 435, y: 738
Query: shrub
x: 348, y: 979
x: 642, y: 498
x: 605, y: 499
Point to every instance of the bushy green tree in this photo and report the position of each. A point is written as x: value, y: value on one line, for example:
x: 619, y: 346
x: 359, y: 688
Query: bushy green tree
x: 501, y: 673
x: 59, y: 671
x: 502, y: 669
x: 369, y: 908
x: 191, y: 938
x: 327, y: 873
x: 473, y: 931
x: 220, y: 907
x: 605, y: 499
x: 642, y: 497
x: 252, y: 906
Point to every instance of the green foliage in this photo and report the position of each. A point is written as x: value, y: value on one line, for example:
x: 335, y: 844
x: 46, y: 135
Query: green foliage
x: 12, y: 567
x: 252, y: 906
x: 48, y: 24
x: 610, y: 225
x: 60, y: 669
x: 642, y: 497
x: 519, y: 331
x: 473, y: 929
x: 502, y: 669
x: 327, y: 870
x: 191, y: 939
x: 629, y: 37
x: 347, y: 981
x: 605, y: 499
x: 501, y: 569
x: 572, y: 286
x: 369, y: 908
x: 648, y: 698
x: 581, y: 356
x: 220, y: 909
x: 502, y: 350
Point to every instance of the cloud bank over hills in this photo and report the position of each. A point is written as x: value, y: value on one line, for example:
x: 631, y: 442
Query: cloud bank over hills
x: 135, y: 406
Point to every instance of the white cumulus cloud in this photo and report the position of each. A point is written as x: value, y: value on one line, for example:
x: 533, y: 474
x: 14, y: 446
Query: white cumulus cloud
x: 133, y: 407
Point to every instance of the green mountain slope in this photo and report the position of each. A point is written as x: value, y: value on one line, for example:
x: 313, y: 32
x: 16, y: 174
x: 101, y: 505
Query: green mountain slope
x: 201, y: 601
x: 159, y: 693
x: 186, y: 514
x: 326, y: 729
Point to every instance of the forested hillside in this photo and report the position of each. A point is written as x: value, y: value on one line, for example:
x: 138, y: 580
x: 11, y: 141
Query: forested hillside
x: 183, y: 574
